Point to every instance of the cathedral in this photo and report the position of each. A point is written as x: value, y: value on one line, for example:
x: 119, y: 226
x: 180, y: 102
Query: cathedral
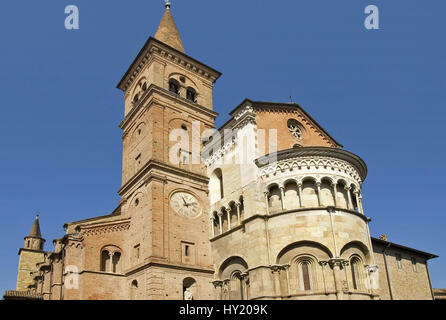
x: 269, y: 206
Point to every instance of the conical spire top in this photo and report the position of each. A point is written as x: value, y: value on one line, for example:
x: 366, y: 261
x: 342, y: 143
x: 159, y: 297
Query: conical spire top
x: 167, y: 31
x: 35, y: 230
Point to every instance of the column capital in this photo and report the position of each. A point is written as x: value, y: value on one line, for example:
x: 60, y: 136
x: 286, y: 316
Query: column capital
x: 217, y: 283
x: 238, y: 204
x: 220, y: 214
x: 348, y: 188
x: 275, y: 268
x: 371, y: 268
x: 336, y: 262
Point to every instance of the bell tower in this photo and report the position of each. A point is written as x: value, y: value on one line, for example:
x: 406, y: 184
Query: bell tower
x: 168, y: 107
x: 31, y: 254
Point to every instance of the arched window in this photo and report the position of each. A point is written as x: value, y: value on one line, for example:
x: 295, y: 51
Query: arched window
x: 116, y: 259
x: 191, y: 94
x: 216, y: 186
x: 242, y: 209
x: 174, y: 86
x: 105, y: 260
x: 110, y: 259
x: 189, y: 289
x: 306, y: 278
x: 355, y: 266
x: 236, y: 286
x: 140, y: 88
x: 353, y: 197
x: 133, y: 289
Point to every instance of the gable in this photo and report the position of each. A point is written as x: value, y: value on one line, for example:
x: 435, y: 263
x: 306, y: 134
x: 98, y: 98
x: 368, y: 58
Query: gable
x: 307, y: 133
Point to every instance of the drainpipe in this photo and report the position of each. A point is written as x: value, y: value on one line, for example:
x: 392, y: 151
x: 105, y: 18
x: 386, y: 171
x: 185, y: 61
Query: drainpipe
x: 387, y: 271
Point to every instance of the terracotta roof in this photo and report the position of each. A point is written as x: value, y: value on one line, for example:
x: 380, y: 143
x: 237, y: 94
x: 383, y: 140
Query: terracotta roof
x: 168, y: 32
x: 440, y: 294
x: 395, y: 245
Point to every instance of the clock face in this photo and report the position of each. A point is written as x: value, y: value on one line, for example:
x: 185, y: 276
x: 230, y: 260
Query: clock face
x: 185, y: 204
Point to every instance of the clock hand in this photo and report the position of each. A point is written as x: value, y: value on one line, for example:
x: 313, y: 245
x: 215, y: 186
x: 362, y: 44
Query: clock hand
x: 185, y: 202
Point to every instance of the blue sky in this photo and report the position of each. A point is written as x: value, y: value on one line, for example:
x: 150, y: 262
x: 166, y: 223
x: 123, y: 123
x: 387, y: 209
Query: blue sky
x: 379, y: 93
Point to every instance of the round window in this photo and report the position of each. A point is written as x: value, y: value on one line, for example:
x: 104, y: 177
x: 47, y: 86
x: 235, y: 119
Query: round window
x: 295, y: 128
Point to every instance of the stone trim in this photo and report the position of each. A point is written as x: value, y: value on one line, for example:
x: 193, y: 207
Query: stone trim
x: 210, y: 271
x: 153, y: 164
x: 102, y: 229
x: 149, y: 92
x: 153, y: 45
x: 291, y: 154
x: 273, y: 215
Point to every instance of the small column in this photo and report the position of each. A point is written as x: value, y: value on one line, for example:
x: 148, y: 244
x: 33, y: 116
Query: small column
x: 287, y: 270
x: 318, y: 185
x: 110, y: 265
x: 245, y: 277
x: 357, y: 201
x: 345, y: 265
x: 220, y: 221
x: 266, y: 201
x: 323, y: 265
x: 361, y: 208
x: 212, y: 225
x: 336, y: 266
x: 276, y: 275
x: 226, y: 289
x: 349, y: 197
x: 282, y: 197
x: 238, y: 204
x: 335, y: 191
x: 218, y: 285
x: 228, y: 215
x: 301, y: 203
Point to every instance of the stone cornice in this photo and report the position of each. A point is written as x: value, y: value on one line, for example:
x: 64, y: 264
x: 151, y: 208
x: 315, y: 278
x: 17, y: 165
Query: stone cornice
x: 335, y: 153
x: 97, y: 229
x: 154, y: 46
x: 157, y: 165
x: 165, y: 93
x: 137, y: 269
x: 31, y: 250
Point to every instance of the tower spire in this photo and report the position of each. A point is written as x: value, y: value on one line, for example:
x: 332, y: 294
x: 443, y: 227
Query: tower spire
x: 167, y: 31
x: 35, y: 229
